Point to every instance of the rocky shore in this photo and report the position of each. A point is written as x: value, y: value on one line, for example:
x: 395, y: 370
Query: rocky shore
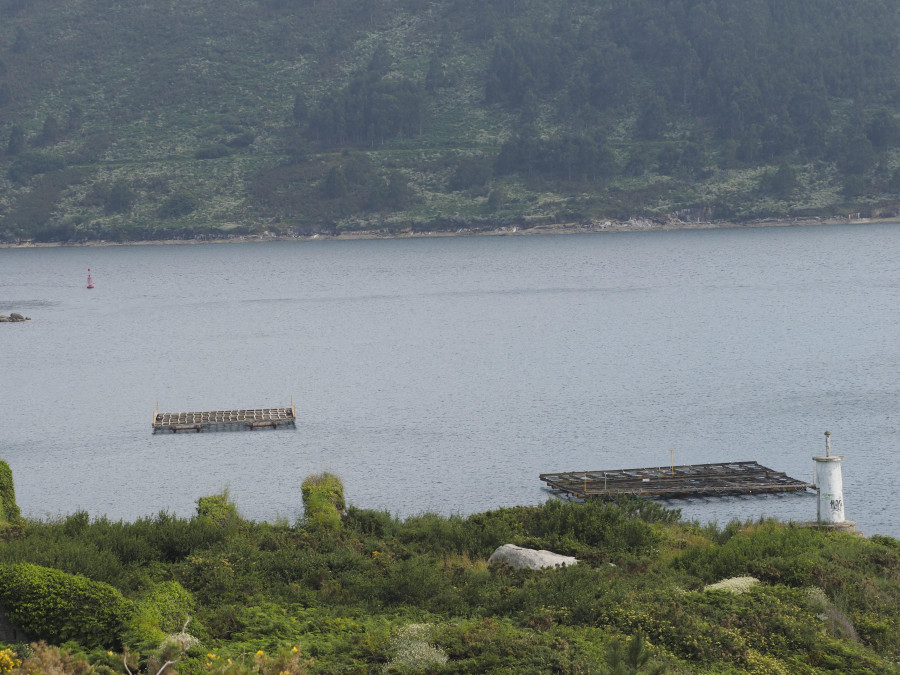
x: 588, y: 226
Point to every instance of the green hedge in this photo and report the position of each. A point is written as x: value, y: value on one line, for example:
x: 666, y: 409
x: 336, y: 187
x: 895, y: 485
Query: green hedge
x: 58, y: 607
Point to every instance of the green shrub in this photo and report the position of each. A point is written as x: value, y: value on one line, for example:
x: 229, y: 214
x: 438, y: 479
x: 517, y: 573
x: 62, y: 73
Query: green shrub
x: 368, y: 522
x: 160, y: 612
x: 118, y: 553
x: 416, y: 581
x: 9, y: 511
x: 625, y: 526
x: 265, y: 625
x: 58, y: 607
x: 566, y: 527
x: 440, y: 535
x: 74, y: 555
x: 884, y: 540
x: 495, y: 528
x: 218, y: 509
x: 175, y: 538
x: 323, y: 500
x: 179, y: 204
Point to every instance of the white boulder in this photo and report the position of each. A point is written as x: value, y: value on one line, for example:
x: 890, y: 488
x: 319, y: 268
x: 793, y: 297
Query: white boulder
x: 516, y: 556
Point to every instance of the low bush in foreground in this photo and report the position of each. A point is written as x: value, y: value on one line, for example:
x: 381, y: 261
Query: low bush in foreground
x: 57, y: 606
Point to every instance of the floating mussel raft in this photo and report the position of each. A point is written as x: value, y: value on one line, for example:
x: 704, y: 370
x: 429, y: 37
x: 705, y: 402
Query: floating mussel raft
x: 224, y: 420
x: 689, y: 480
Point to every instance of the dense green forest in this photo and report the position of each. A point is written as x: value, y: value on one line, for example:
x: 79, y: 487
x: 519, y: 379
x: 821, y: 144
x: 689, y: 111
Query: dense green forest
x: 160, y: 120
x: 349, y: 590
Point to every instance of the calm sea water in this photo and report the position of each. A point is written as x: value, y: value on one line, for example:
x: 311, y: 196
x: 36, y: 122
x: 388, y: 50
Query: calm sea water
x: 446, y: 374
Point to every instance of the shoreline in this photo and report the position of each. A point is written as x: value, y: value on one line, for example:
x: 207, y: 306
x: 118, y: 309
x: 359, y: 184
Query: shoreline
x: 595, y: 227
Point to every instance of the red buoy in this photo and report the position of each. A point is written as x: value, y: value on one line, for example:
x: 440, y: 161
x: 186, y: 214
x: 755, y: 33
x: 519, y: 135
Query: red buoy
x: 90, y: 279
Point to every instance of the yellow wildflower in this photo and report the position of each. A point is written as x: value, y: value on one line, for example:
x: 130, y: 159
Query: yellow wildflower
x: 8, y: 660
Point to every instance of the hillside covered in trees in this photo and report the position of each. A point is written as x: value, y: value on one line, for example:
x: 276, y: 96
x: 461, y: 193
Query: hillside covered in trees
x: 165, y: 120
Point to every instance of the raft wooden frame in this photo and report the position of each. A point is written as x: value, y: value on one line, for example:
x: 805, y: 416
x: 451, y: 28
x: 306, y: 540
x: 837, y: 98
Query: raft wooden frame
x: 224, y: 420
x: 669, y: 482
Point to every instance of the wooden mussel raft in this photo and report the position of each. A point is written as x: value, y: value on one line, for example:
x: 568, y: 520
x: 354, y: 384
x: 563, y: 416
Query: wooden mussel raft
x: 690, y: 480
x: 224, y: 420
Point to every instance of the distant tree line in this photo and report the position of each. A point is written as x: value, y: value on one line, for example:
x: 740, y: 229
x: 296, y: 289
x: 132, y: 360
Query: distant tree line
x: 618, y: 106
x: 761, y: 78
x: 703, y: 82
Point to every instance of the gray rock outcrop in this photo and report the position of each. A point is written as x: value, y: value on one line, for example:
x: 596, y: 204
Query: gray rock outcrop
x: 518, y: 557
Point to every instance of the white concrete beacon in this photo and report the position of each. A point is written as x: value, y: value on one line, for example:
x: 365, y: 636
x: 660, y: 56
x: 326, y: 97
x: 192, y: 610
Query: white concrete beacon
x: 829, y: 486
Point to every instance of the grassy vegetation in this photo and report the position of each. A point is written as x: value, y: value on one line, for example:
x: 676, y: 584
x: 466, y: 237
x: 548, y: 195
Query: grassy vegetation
x: 349, y: 590
x: 323, y: 116
x: 10, y: 517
